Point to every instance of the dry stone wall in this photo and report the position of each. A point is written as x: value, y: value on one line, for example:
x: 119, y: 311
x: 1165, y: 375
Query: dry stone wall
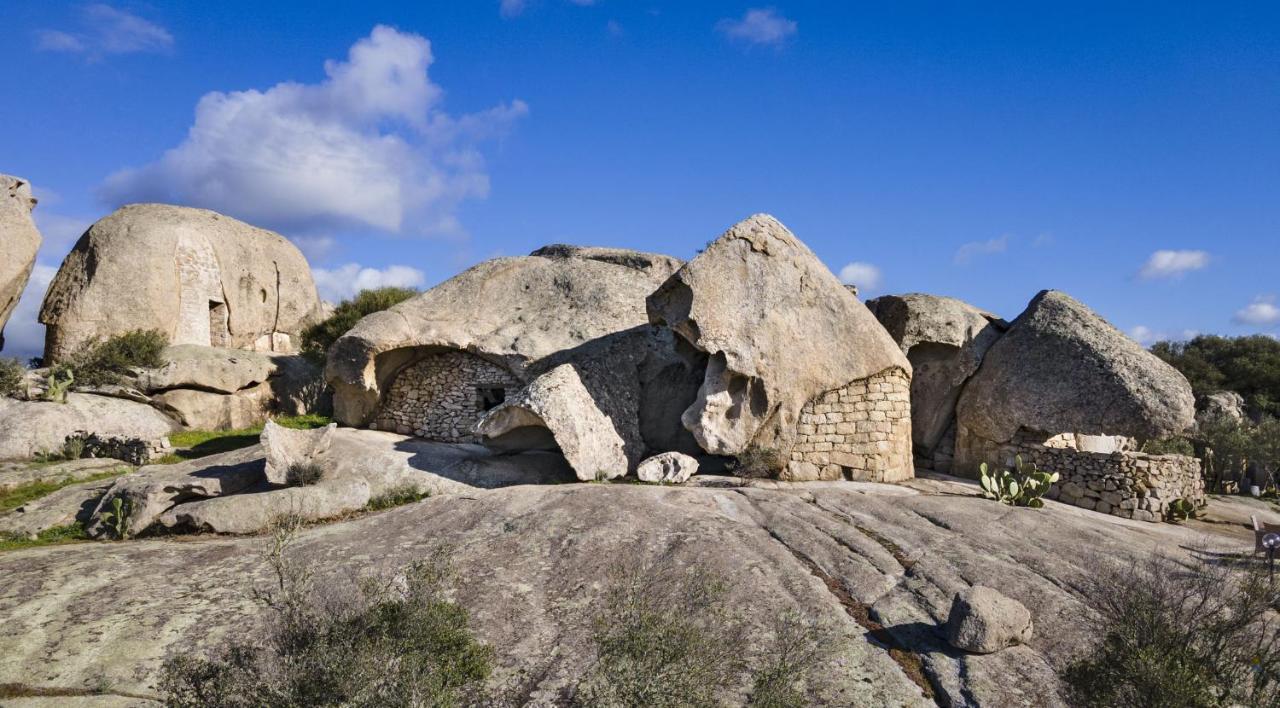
x: 1125, y: 483
x: 861, y: 431
x: 443, y: 396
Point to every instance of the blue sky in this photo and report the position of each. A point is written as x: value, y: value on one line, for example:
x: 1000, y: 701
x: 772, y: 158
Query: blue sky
x: 1127, y: 153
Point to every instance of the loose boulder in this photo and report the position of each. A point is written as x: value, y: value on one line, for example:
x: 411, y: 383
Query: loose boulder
x: 790, y: 352
x: 1063, y: 369
x: 20, y: 240
x: 1220, y: 407
x: 983, y: 621
x: 945, y: 339
x: 433, y: 364
x: 668, y: 468
x: 31, y: 428
x: 557, y: 411
x: 286, y: 447
x: 195, y: 275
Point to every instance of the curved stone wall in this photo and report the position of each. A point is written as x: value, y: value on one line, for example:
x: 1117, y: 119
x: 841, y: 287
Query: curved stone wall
x: 861, y: 431
x: 442, y: 396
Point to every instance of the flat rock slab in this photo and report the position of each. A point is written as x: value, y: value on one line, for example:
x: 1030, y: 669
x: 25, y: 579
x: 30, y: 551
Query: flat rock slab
x: 531, y: 560
x: 34, y: 427
x: 60, y: 508
x: 19, y: 474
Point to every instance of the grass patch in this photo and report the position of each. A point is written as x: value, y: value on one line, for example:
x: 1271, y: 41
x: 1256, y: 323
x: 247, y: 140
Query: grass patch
x: 396, y: 496
x: 58, y: 535
x: 18, y: 496
x: 194, y: 444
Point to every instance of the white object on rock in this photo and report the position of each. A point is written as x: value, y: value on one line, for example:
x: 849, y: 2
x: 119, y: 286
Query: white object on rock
x: 669, y: 467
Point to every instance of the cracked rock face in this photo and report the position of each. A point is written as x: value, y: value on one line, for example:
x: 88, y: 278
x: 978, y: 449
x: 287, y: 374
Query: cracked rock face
x: 1063, y: 369
x: 196, y: 275
x: 945, y: 339
x: 20, y: 240
x: 779, y: 329
x: 511, y: 311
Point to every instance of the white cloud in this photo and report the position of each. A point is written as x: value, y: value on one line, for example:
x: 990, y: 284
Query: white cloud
x: 369, y: 146
x: 24, y: 335
x: 1172, y: 264
x: 1146, y: 336
x: 1262, y: 311
x: 759, y: 26
x: 344, y: 281
x: 107, y: 31
x: 864, y: 275
x: 969, y: 251
x: 58, y: 231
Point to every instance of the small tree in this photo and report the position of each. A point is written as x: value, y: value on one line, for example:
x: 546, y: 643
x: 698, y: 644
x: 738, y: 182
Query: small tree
x: 12, y: 375
x: 317, y: 338
x: 110, y: 361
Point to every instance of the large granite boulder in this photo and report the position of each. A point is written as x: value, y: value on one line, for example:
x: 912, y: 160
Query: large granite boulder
x: 1063, y: 369
x: 197, y: 276
x: 945, y: 339
x: 780, y: 331
x: 20, y: 240
x: 1220, y: 407
x: 209, y: 369
x: 30, y: 428
x: 983, y: 621
x: 509, y: 311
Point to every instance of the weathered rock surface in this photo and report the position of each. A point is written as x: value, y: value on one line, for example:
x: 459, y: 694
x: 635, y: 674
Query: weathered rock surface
x: 945, y: 339
x: 209, y: 369
x: 558, y: 402
x: 1220, y: 407
x: 668, y: 467
x: 20, y: 239
x: 512, y: 311
x: 983, y: 621
x: 65, y: 506
x: 285, y: 448
x: 204, y: 410
x: 72, y: 615
x: 18, y: 474
x: 780, y: 330
x: 32, y: 427
x: 1063, y: 369
x: 197, y: 276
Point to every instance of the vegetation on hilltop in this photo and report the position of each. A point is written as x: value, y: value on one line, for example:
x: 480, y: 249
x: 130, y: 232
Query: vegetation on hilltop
x: 317, y: 338
x: 1250, y: 366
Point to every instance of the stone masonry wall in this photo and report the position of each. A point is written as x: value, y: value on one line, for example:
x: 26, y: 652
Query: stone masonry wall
x: 437, y: 398
x: 1128, y: 484
x: 861, y: 431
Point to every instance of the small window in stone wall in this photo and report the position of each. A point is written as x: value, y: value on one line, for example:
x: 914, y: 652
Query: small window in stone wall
x: 489, y: 397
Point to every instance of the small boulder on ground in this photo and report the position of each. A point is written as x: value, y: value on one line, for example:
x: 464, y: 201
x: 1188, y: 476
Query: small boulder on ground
x: 669, y: 467
x: 286, y: 447
x: 983, y: 621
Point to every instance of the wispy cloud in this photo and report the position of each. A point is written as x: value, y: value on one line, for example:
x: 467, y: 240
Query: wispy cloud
x: 761, y: 26
x: 1147, y: 336
x: 369, y: 146
x: 107, y: 30
x: 344, y: 281
x: 1263, y: 312
x: 515, y: 8
x: 865, y: 276
x: 966, y: 253
x: 1165, y: 264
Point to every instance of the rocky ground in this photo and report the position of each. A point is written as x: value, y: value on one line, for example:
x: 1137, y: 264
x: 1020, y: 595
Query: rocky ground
x: 882, y: 562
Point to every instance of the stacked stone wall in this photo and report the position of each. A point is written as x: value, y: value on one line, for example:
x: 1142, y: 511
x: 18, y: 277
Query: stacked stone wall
x: 1128, y: 484
x: 861, y: 431
x: 437, y: 398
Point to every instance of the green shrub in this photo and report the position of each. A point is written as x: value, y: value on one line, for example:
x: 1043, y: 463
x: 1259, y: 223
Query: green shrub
x: 304, y: 474
x: 1023, y: 485
x: 758, y: 462
x: 58, y: 382
x: 317, y: 338
x: 1169, y: 446
x: 103, y: 363
x: 1231, y: 447
x: 396, y: 496
x: 381, y: 644
x: 1173, y: 635
x: 1249, y: 366
x: 12, y: 375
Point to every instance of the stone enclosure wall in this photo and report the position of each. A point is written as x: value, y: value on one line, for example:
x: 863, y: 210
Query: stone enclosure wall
x: 442, y: 396
x: 861, y: 431
x: 1124, y: 483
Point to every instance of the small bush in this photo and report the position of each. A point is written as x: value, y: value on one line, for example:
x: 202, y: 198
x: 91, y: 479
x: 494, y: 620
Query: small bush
x: 304, y: 474
x: 1169, y: 446
x: 1173, y: 635
x: 383, y: 643
x: 12, y: 375
x: 109, y: 362
x: 317, y: 338
x: 758, y: 463
x: 1023, y: 485
x: 396, y: 496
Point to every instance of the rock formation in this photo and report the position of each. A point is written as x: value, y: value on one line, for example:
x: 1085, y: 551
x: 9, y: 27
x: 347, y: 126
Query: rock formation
x: 197, y: 276
x: 800, y: 375
x: 668, y: 468
x: 1220, y: 407
x: 434, y: 364
x: 983, y: 621
x: 19, y: 239
x: 31, y: 428
x: 945, y: 340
